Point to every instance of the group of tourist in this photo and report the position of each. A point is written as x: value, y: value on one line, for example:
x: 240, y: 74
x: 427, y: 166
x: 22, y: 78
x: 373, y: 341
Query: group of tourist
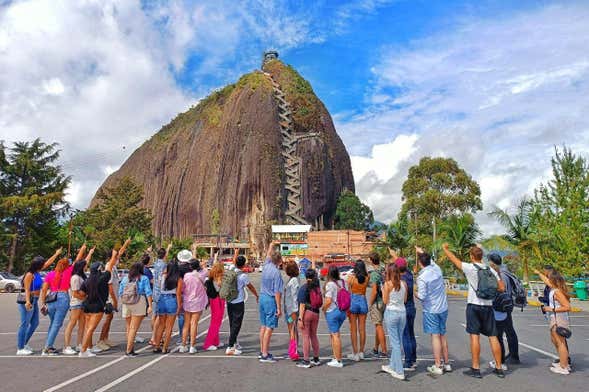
x: 183, y: 287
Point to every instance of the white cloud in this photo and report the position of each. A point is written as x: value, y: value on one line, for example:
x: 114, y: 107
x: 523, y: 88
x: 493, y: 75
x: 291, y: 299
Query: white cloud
x: 53, y: 86
x: 497, y: 95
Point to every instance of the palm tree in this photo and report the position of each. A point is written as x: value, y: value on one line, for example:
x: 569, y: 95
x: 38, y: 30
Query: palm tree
x: 519, y: 230
x: 460, y: 232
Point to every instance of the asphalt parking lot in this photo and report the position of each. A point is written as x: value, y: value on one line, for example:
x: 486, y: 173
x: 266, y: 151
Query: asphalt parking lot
x: 213, y: 371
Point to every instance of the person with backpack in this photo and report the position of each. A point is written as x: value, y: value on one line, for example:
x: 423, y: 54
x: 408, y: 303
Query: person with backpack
x: 431, y: 291
x: 503, y: 306
x: 233, y: 292
x: 112, y: 303
x: 335, y: 305
x: 483, y: 285
x: 170, y: 301
x: 310, y: 303
x: 159, y: 268
x: 376, y: 306
x: 271, y: 288
x: 291, y: 308
x: 357, y: 283
x: 394, y: 292
x: 32, y: 282
x: 96, y: 290
x: 217, y: 305
x: 195, y: 300
x: 136, y: 295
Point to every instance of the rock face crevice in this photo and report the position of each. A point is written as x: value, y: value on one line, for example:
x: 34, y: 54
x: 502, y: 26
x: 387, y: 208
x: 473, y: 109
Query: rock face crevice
x: 225, y: 154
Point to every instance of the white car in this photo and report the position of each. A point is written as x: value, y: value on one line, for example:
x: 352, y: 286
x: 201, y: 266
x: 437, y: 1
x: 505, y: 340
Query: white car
x: 9, y: 282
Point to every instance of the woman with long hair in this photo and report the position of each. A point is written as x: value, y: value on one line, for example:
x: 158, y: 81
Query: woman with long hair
x: 333, y: 315
x: 291, y: 308
x: 29, y: 311
x: 169, y: 304
x: 394, y: 293
x: 135, y: 294
x: 217, y: 305
x: 558, y: 308
x: 58, y: 282
x: 96, y: 290
x: 77, y: 297
x: 357, y: 283
x: 194, y: 299
x: 310, y: 301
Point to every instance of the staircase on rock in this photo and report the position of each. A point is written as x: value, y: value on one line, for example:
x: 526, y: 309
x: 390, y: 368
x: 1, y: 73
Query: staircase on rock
x: 292, y: 164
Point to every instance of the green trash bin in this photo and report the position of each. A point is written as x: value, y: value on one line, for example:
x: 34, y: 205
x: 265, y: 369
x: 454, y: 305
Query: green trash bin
x: 581, y: 290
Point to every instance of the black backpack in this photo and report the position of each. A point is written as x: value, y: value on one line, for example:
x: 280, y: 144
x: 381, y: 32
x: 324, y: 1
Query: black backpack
x: 487, y: 286
x: 518, y: 292
x: 211, y: 290
x: 503, y: 303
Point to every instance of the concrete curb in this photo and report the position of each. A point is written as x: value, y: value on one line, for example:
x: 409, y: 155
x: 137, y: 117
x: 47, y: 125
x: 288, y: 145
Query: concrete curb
x: 532, y: 302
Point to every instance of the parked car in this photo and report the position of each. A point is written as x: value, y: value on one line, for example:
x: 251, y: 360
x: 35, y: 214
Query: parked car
x: 344, y: 267
x: 9, y: 282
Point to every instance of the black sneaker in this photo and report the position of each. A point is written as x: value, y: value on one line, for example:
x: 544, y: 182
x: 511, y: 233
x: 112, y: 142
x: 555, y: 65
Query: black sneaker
x: 499, y: 373
x: 315, y: 361
x: 49, y: 351
x: 131, y: 354
x: 383, y: 355
x: 512, y: 361
x: 304, y: 364
x: 157, y: 351
x: 472, y: 372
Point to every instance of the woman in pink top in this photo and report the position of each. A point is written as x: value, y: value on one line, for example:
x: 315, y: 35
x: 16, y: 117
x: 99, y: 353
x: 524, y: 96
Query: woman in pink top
x: 57, y: 281
x: 194, y: 299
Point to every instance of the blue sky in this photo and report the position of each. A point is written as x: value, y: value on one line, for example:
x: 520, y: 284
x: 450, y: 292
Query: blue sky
x: 494, y: 84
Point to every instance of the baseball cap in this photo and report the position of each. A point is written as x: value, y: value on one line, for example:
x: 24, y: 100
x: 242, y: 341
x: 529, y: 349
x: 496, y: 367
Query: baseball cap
x: 401, y: 262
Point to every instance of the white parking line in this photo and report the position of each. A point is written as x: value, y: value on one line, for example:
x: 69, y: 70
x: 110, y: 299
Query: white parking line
x: 148, y: 364
x: 536, y: 349
x: 106, y: 365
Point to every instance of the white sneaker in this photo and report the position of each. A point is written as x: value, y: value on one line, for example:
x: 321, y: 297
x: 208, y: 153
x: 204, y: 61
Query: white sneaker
x: 79, y: 348
x: 29, y: 348
x: 335, y: 363
x: 237, y: 351
x: 86, y: 354
x: 229, y: 351
x: 434, y: 370
x: 183, y: 349
x: 447, y: 368
x: 69, y: 351
x: 398, y: 376
x: 95, y: 350
x: 387, y: 369
x: 559, y: 370
x: 212, y: 348
x: 557, y: 365
x: 192, y: 350
x: 492, y: 365
x: 360, y: 355
x: 23, y: 351
x: 354, y: 357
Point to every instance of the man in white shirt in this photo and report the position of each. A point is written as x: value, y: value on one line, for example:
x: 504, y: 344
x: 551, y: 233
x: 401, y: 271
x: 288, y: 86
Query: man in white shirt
x: 480, y: 318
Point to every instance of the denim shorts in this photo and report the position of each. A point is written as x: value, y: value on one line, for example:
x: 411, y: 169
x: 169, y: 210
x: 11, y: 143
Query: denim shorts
x: 268, y: 310
x: 167, y: 304
x: 359, y: 304
x: 335, y: 319
x: 435, y: 323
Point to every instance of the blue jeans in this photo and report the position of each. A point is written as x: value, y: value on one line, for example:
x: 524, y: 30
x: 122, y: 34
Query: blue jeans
x: 29, y: 321
x: 409, y: 343
x: 57, y: 311
x: 394, y: 322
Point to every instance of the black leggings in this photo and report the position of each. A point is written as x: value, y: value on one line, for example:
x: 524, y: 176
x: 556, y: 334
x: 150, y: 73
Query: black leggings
x: 506, y: 327
x: 235, y: 313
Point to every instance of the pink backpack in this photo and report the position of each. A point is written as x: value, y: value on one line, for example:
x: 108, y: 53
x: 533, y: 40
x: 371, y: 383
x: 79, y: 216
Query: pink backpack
x: 344, y: 299
x: 315, y: 299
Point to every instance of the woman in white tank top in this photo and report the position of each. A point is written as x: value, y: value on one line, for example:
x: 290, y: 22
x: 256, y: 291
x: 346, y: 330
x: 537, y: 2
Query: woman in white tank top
x: 395, y: 317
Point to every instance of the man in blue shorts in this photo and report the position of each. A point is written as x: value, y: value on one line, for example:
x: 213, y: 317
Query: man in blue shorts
x: 432, y: 294
x: 270, y: 300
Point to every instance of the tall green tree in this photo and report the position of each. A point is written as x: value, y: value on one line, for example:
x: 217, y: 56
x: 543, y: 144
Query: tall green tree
x: 32, y: 199
x: 397, y: 236
x: 116, y: 215
x: 560, y: 213
x: 436, y: 189
x: 519, y: 231
x: 352, y: 214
